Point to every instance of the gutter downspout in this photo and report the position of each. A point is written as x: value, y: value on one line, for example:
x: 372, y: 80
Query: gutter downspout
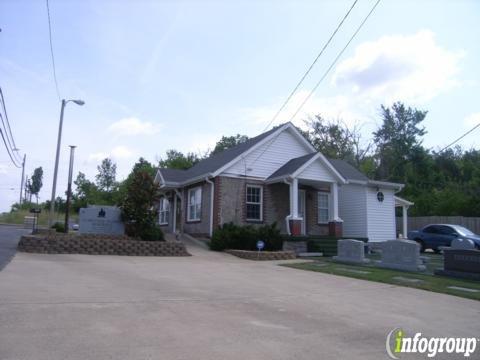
x: 212, y: 191
x: 287, y: 218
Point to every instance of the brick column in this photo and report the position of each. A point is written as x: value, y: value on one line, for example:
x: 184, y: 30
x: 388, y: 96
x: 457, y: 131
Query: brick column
x: 335, y: 228
x: 295, y: 227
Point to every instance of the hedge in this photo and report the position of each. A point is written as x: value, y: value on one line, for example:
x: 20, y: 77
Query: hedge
x: 231, y: 236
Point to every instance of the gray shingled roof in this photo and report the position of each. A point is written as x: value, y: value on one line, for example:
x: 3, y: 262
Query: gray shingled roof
x: 213, y: 162
x: 291, y: 166
x: 348, y: 171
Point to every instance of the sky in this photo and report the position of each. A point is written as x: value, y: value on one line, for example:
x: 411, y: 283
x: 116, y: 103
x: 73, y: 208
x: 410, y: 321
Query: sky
x: 159, y: 75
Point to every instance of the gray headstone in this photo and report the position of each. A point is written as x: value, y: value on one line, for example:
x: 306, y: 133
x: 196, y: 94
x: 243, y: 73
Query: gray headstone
x: 101, y: 220
x: 465, y: 244
x: 401, y: 255
x: 351, y: 251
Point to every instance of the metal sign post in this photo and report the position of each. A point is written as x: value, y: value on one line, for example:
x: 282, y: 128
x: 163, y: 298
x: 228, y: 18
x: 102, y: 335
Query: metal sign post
x: 35, y: 212
x: 260, y: 246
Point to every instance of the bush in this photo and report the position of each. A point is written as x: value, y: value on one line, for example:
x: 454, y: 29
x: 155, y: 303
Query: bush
x: 59, y: 227
x: 153, y: 233
x: 231, y: 236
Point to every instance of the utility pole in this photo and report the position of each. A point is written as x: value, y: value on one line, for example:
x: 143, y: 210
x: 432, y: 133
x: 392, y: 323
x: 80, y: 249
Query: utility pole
x: 69, y: 188
x: 23, y: 174
x: 25, y: 191
x: 57, y: 157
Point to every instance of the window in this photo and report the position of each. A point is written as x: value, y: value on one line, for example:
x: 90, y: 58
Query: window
x: 194, y: 206
x: 164, y: 211
x: 431, y: 230
x: 254, y: 202
x: 323, y: 207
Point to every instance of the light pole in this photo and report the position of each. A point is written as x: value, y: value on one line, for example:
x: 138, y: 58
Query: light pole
x: 69, y: 188
x: 55, y: 171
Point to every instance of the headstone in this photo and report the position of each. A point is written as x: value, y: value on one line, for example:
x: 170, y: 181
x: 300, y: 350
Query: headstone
x: 401, y: 255
x: 465, y: 244
x: 351, y: 251
x: 101, y: 220
x: 462, y: 260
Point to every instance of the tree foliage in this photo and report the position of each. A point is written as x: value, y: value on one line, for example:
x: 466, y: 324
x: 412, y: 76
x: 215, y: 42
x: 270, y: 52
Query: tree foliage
x: 177, y: 160
x: 36, y: 182
x: 107, y: 172
x: 139, y: 206
x: 227, y: 142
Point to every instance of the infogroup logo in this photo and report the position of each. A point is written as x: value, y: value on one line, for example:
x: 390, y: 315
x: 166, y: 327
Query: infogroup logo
x: 397, y: 343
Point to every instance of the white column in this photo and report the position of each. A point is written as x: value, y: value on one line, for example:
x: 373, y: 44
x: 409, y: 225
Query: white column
x: 405, y: 220
x: 294, y: 199
x: 334, y: 206
x: 174, y: 212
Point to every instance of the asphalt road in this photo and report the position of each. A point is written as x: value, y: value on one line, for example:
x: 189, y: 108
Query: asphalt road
x: 9, y: 236
x: 208, y: 306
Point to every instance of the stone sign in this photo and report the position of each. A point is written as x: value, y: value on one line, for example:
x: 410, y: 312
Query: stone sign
x: 464, y: 244
x: 101, y: 220
x: 401, y: 255
x: 351, y: 251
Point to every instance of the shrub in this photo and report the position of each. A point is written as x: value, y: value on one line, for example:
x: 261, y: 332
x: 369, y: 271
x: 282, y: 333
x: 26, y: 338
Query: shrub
x: 231, y: 236
x: 59, y: 227
x: 152, y: 233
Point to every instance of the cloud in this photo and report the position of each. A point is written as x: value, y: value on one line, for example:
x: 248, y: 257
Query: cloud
x: 472, y: 119
x: 117, y: 153
x: 133, y: 126
x: 330, y: 107
x: 399, y: 67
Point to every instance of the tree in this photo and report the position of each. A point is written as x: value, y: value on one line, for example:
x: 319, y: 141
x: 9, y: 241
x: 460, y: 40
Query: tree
x: 34, y: 185
x: 86, y: 192
x: 396, y: 140
x: 139, y: 166
x: 105, y: 179
x: 177, y: 160
x: 227, y: 142
x: 139, y: 207
x: 336, y: 140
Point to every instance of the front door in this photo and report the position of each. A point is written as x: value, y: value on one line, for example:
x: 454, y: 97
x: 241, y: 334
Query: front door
x: 301, y: 209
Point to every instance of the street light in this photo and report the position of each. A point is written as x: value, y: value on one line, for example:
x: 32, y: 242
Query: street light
x: 55, y: 171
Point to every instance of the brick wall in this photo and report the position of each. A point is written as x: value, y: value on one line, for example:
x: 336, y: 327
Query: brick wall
x: 201, y: 227
x: 312, y: 226
x: 263, y: 255
x: 99, y: 245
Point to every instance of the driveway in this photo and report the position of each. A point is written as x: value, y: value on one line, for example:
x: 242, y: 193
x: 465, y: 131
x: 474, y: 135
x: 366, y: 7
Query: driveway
x: 9, y: 236
x: 208, y: 306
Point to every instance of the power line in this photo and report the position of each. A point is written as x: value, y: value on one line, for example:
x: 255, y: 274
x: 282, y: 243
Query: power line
x: 311, y: 67
x: 8, y: 129
x: 335, y: 61
x: 51, y: 52
x: 8, y: 148
x: 460, y: 138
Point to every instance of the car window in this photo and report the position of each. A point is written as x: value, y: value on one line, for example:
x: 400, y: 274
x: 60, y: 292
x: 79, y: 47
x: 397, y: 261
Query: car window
x: 430, y: 230
x: 446, y: 230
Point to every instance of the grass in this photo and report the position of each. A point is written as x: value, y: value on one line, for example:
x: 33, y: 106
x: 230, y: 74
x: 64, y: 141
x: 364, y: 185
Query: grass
x: 17, y: 217
x: 369, y: 272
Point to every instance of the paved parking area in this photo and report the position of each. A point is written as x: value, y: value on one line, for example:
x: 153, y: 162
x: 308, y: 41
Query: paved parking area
x: 208, y: 306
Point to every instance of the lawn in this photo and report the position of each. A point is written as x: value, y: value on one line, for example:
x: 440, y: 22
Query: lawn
x: 17, y: 217
x: 424, y: 280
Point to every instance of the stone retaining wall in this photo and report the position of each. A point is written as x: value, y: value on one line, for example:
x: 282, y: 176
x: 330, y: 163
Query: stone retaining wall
x: 99, y: 245
x: 263, y: 255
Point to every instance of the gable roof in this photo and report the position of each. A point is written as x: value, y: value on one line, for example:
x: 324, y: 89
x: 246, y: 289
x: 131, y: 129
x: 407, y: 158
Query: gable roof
x: 214, y: 162
x: 291, y: 166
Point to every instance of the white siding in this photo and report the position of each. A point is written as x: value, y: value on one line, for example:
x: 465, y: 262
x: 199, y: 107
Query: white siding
x: 317, y: 171
x: 352, y: 203
x: 265, y: 160
x: 381, y: 215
